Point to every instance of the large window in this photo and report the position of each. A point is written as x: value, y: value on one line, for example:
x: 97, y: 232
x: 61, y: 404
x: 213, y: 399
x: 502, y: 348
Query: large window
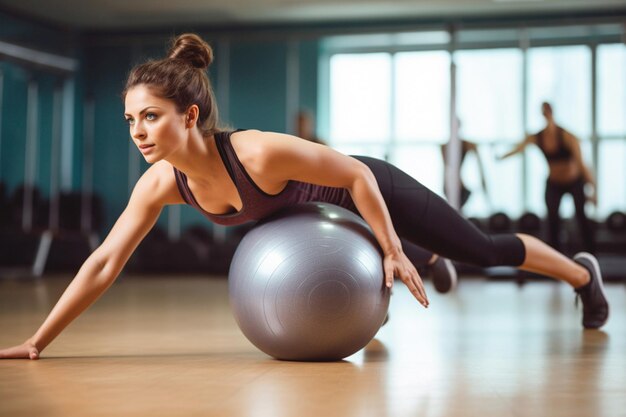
x: 422, y: 96
x: 393, y: 102
x: 422, y: 114
x: 360, y: 98
x: 393, y: 106
x: 611, y: 82
x: 561, y: 76
x: 489, y: 84
x: 611, y: 175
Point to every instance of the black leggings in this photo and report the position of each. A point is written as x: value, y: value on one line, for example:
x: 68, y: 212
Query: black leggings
x: 554, y: 194
x: 425, y: 219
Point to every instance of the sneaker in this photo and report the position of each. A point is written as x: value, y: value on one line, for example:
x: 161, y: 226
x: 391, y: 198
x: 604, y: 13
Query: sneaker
x: 595, y: 306
x: 443, y: 275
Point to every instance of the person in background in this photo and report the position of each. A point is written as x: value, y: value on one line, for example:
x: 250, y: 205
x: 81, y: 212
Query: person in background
x: 466, y: 147
x: 568, y: 174
x: 305, y: 127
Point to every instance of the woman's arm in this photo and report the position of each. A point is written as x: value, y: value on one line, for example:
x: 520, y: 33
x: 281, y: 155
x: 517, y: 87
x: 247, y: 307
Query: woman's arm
x: 519, y: 147
x: 283, y: 157
x: 573, y: 144
x: 103, y: 266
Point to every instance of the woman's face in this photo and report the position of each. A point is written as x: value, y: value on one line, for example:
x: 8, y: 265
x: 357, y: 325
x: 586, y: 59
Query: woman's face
x: 156, y: 127
x: 546, y: 110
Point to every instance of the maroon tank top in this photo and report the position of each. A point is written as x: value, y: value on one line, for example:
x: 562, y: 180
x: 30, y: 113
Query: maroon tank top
x: 258, y: 204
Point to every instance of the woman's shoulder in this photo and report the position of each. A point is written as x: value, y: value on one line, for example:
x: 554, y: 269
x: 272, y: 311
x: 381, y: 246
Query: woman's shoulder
x: 159, y: 184
x: 567, y: 135
x: 259, y: 141
x: 257, y: 144
x: 261, y: 152
x: 253, y: 148
x: 159, y: 172
x: 247, y: 135
x: 534, y: 137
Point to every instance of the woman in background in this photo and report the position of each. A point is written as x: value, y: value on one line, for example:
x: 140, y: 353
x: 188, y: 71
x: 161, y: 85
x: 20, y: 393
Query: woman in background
x: 568, y: 174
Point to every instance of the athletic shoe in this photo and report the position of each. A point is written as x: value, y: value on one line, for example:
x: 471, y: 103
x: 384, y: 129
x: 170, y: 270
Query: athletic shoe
x: 443, y: 275
x: 595, y: 305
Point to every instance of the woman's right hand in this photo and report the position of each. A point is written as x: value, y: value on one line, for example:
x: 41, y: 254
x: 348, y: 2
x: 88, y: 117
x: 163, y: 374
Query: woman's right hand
x: 26, y: 350
x: 398, y: 265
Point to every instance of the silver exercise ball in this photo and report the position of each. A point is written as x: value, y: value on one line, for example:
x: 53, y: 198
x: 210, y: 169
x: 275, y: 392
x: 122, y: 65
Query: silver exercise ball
x: 307, y: 284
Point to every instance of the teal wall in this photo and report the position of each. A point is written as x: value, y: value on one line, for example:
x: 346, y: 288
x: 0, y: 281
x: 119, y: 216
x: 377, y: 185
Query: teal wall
x: 258, y: 87
x: 256, y: 94
x: 106, y: 69
x: 46, y: 85
x: 308, y: 63
x: 16, y: 77
x: 13, y: 132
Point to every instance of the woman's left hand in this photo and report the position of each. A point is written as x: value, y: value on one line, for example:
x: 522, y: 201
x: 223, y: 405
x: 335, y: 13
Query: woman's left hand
x: 26, y: 350
x: 398, y: 265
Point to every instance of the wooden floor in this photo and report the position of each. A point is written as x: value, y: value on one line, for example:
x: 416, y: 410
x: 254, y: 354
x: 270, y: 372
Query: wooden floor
x: 170, y: 347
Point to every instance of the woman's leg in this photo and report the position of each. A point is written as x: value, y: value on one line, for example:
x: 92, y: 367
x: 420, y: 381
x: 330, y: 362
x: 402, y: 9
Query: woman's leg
x: 543, y: 259
x: 584, y: 224
x: 441, y: 270
x: 422, y: 217
x: 553, y: 196
x: 417, y: 255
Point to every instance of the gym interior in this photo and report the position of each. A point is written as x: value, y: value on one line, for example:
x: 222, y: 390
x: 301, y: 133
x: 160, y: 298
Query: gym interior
x: 395, y: 81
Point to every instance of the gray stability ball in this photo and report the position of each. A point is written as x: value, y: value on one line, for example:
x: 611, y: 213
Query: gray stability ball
x: 307, y: 284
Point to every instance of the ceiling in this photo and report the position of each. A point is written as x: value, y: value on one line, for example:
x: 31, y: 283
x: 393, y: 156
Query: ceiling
x: 143, y: 14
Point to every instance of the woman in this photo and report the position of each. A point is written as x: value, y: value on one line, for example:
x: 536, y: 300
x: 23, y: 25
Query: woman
x: 235, y: 177
x: 466, y: 147
x: 568, y: 174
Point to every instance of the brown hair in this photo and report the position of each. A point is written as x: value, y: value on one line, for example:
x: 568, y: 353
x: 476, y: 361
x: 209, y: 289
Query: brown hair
x: 182, y: 78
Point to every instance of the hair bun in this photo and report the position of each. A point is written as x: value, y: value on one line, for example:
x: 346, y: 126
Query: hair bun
x: 192, y: 49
